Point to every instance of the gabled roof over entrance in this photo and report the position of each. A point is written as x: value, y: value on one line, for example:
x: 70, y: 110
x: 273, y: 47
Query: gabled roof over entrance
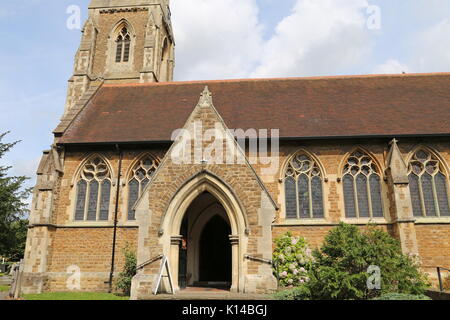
x: 323, y: 107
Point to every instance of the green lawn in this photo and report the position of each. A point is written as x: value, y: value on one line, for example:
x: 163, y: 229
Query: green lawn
x: 4, y: 288
x: 74, y: 296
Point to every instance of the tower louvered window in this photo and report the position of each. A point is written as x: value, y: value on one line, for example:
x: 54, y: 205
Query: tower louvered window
x: 362, y: 187
x: 93, y: 192
x: 428, y: 186
x: 140, y: 177
x: 303, y: 189
x: 123, y: 43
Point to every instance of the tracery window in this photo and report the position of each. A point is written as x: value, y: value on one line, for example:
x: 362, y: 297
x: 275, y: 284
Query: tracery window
x: 93, y: 191
x: 141, y: 174
x: 303, y: 189
x: 428, y: 186
x: 362, y: 187
x: 123, y: 43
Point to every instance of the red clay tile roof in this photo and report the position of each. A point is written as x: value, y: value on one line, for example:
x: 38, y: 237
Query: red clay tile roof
x: 387, y: 105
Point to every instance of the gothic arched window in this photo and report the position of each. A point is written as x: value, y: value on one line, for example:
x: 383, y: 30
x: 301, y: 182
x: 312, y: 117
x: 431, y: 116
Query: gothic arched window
x: 140, y: 176
x: 303, y: 189
x: 428, y: 185
x: 123, y: 42
x: 93, y: 191
x: 362, y: 187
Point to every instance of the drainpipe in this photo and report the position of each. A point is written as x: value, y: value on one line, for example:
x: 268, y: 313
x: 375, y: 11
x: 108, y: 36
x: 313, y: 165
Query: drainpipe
x: 113, y: 254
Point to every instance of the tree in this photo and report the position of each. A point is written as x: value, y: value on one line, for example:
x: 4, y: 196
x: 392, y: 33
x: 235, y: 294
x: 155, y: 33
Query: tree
x: 13, y: 208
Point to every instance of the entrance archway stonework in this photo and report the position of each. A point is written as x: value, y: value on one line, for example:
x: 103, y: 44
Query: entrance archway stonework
x: 249, y: 209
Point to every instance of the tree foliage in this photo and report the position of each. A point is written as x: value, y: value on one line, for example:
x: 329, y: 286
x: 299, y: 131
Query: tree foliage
x: 13, y: 208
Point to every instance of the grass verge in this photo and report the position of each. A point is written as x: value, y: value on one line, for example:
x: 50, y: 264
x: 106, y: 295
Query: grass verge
x: 4, y: 288
x: 74, y: 296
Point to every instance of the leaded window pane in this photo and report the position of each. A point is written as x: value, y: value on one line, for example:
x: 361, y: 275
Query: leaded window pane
x: 119, y: 50
x: 363, y: 173
x: 303, y: 188
x: 303, y: 196
x: 94, y: 174
x: 428, y: 196
x: 415, y: 195
x: 104, y: 200
x: 133, y: 195
x: 363, y: 198
x: 144, y: 184
x: 442, y: 194
x: 123, y: 45
x: 375, y: 194
x: 291, y: 198
x: 81, y: 199
x: 317, y: 197
x: 92, y: 202
x: 428, y: 185
x: 141, y: 175
x: 349, y: 197
x: 126, y: 51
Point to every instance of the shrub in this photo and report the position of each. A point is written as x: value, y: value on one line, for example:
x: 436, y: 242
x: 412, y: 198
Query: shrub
x: 129, y: 271
x: 341, y: 267
x: 447, y: 282
x: 299, y: 293
x: 402, y: 296
x: 292, y: 258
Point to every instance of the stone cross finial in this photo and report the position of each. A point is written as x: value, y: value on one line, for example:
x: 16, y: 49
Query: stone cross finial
x: 393, y: 141
x: 205, y: 98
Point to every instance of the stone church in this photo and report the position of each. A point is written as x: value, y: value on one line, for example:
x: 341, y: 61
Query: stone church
x: 130, y: 164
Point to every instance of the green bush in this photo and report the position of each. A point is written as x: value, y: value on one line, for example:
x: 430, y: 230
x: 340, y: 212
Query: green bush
x: 341, y: 267
x: 339, y: 270
x: 402, y: 296
x: 298, y: 293
x: 292, y: 258
x: 129, y: 271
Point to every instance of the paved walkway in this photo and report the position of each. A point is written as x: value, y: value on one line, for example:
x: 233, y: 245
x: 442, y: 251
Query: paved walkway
x: 3, y: 295
x: 209, y: 294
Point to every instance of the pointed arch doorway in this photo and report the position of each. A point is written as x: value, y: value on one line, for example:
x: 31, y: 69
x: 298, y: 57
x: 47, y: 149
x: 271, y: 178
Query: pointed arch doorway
x: 205, y: 255
x: 200, y: 189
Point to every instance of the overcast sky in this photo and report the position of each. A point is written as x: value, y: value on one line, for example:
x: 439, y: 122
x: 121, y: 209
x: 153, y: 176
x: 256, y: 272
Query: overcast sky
x: 216, y: 39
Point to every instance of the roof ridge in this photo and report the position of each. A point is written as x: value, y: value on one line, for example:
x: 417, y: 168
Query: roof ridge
x: 335, y: 77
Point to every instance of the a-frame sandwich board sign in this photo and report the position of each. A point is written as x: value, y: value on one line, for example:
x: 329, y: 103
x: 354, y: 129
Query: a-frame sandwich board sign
x: 164, y: 265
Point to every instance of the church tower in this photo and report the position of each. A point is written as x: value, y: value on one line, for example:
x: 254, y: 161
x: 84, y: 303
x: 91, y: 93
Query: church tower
x: 123, y: 41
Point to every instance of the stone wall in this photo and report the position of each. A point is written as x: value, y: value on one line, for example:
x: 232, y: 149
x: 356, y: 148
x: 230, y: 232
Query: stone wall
x: 89, y: 244
x: 90, y: 250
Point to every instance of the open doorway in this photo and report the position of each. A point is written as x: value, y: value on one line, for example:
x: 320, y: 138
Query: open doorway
x: 205, y: 258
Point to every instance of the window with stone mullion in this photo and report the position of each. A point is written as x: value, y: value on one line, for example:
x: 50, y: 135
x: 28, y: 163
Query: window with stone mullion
x: 362, y: 187
x: 428, y: 185
x: 93, y: 192
x: 140, y: 177
x: 303, y: 189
